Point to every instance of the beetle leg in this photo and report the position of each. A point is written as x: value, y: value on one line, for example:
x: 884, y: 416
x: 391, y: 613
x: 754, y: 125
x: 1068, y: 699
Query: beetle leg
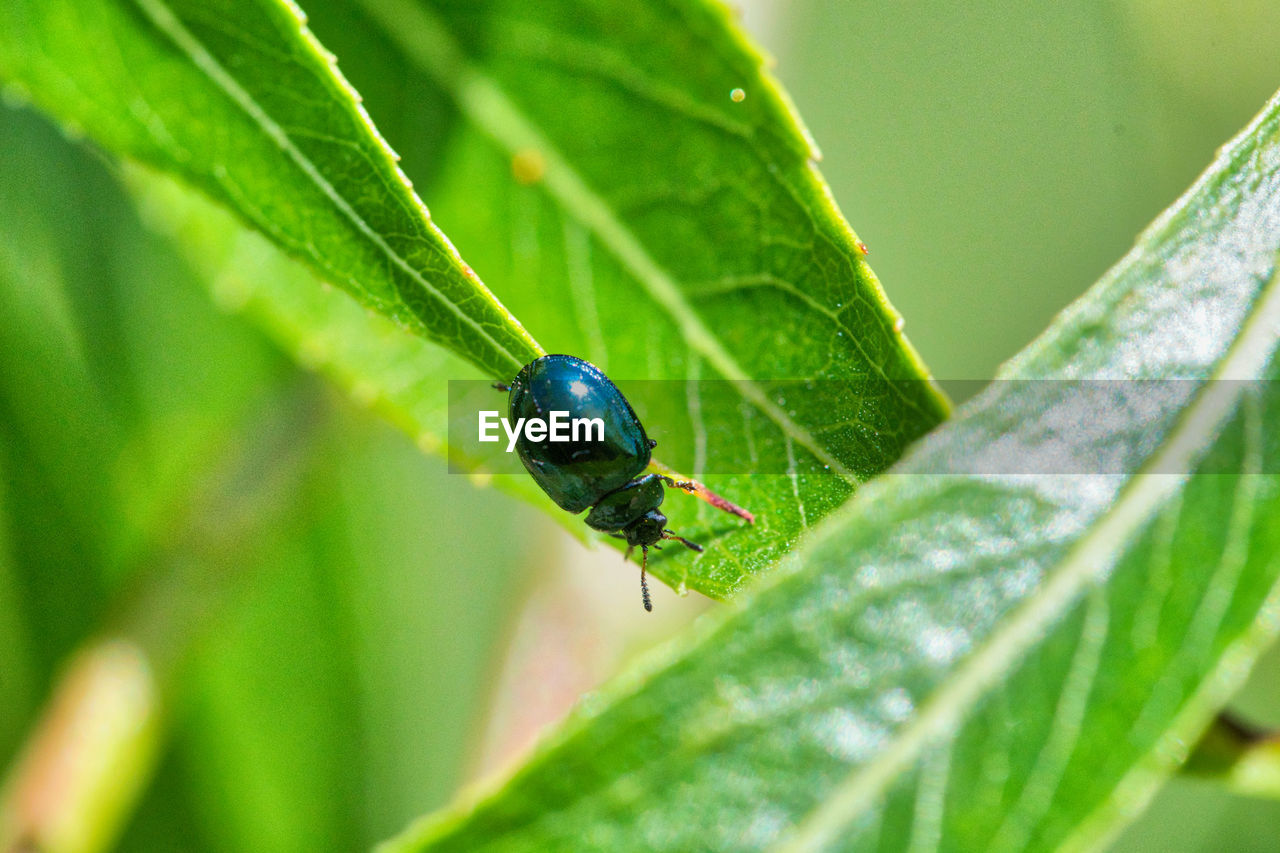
x: 683, y: 485
x: 693, y: 546
x: 501, y: 386
x: 698, y: 490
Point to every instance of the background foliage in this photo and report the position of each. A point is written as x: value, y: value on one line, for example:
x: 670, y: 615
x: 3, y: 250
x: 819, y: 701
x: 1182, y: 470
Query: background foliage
x: 376, y: 594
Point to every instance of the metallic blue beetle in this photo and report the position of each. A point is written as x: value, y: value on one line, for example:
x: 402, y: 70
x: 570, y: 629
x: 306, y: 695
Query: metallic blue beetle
x: 603, y: 474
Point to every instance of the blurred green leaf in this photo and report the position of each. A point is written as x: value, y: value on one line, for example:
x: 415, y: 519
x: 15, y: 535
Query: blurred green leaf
x: 352, y: 659
x: 107, y: 423
x: 239, y: 100
x: 990, y: 661
x: 121, y: 388
x: 17, y: 688
x: 94, y: 747
x: 111, y: 418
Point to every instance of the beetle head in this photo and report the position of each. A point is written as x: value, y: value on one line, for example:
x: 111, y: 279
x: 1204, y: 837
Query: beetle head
x: 646, y: 530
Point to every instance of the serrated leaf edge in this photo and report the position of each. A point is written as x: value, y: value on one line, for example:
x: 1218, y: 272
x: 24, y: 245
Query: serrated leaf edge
x: 168, y: 22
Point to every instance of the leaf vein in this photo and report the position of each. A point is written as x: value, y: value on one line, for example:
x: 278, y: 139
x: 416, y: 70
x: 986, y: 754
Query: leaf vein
x: 1047, y: 772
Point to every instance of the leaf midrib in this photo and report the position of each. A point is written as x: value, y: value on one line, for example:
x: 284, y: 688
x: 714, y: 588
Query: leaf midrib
x: 1212, y: 405
x: 168, y: 22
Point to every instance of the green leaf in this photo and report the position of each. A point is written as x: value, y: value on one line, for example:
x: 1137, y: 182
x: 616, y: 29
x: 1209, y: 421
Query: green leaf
x: 986, y: 661
x: 661, y: 270
x: 124, y: 397
x: 305, y: 713
x: 365, y: 353
x: 239, y: 100
x: 633, y: 184
x: 662, y: 221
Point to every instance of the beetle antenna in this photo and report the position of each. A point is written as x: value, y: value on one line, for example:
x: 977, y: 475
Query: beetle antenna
x: 692, y: 546
x: 501, y: 386
x: 644, y: 584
